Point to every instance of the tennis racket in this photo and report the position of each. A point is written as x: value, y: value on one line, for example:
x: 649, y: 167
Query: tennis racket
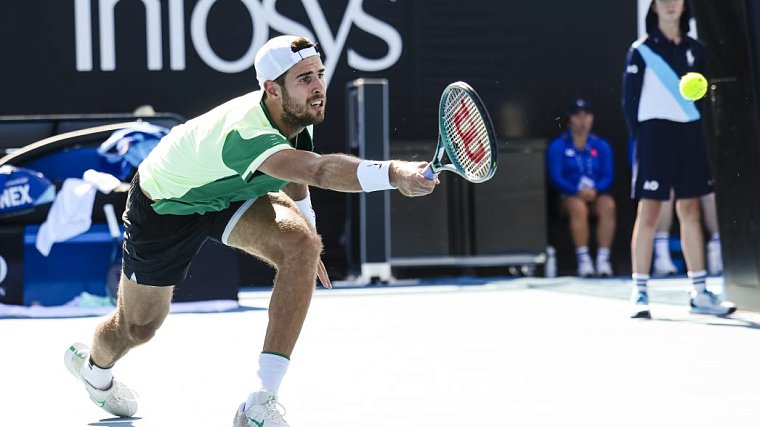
x: 466, y: 139
x: 114, y: 268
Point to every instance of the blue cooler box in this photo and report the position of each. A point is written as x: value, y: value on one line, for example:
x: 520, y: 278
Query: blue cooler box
x: 74, y: 266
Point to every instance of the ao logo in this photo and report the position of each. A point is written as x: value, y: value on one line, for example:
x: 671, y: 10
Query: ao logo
x: 264, y: 17
x: 651, y: 185
x: 3, y: 271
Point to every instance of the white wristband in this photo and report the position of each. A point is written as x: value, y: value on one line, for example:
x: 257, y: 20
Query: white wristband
x: 308, y: 212
x: 374, y: 176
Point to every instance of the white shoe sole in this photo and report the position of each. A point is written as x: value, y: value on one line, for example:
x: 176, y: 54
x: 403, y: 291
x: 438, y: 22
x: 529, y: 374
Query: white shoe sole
x: 642, y: 313
x: 715, y: 311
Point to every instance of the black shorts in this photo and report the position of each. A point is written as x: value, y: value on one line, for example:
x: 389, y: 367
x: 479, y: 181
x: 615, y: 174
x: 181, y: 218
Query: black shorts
x: 158, y: 249
x: 670, y: 155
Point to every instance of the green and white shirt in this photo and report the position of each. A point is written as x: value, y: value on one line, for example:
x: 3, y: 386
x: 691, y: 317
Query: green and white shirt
x: 210, y: 161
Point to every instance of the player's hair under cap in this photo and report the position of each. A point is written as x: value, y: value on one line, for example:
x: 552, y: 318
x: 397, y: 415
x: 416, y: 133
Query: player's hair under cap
x: 277, y: 56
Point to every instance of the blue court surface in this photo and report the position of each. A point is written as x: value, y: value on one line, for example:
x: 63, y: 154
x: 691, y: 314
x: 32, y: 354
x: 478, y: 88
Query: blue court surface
x: 516, y: 352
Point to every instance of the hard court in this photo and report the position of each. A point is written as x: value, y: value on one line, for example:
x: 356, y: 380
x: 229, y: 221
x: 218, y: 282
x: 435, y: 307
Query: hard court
x: 513, y: 352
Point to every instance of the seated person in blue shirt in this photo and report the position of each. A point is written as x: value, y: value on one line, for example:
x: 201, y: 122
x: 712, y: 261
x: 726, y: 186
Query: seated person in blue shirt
x: 580, y: 166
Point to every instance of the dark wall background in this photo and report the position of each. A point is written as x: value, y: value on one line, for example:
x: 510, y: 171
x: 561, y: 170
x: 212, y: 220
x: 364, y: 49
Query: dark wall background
x: 732, y: 33
x: 526, y: 59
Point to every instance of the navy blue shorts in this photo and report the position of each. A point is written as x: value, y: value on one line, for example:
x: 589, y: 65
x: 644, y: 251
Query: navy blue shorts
x: 158, y: 249
x: 670, y: 155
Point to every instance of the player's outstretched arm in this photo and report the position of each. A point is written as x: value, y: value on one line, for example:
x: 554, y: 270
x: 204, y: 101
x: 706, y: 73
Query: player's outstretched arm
x: 340, y: 172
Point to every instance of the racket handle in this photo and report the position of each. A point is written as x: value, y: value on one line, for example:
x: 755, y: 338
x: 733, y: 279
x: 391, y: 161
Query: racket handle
x: 428, y: 172
x: 113, y: 224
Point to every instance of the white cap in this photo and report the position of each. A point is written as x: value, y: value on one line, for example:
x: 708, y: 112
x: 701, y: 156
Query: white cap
x: 277, y: 56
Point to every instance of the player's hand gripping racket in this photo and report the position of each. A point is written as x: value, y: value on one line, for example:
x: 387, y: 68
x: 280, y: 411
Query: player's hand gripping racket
x: 466, y: 139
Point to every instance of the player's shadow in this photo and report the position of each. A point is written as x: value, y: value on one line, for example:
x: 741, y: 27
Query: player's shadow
x: 115, y: 422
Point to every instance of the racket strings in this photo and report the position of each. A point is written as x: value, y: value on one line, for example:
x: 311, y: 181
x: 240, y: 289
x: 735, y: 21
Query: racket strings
x: 468, y: 132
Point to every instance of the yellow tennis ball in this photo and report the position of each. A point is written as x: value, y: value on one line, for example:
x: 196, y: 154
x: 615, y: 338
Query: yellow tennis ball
x: 693, y: 86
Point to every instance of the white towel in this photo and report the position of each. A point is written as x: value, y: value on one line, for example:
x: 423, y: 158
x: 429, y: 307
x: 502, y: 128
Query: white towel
x: 71, y: 212
x: 105, y: 182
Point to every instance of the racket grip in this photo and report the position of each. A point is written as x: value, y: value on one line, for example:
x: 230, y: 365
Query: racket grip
x: 113, y: 224
x: 428, y: 172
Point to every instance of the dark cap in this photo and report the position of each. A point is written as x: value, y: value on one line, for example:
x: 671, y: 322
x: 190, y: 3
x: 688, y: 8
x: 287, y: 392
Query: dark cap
x: 578, y: 105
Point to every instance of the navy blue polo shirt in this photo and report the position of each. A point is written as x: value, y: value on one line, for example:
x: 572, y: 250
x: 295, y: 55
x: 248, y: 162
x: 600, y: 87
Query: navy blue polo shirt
x: 653, y: 68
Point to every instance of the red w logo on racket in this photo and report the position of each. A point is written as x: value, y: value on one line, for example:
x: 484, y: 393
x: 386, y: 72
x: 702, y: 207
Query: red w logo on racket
x: 467, y: 127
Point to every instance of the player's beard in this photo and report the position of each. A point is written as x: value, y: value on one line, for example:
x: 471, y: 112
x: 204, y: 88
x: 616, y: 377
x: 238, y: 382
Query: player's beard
x: 298, y: 115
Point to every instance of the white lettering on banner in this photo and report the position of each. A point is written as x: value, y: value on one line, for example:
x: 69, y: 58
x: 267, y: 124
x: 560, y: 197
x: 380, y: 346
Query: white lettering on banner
x: 15, y: 196
x: 264, y: 16
x: 177, y: 34
x: 383, y: 31
x: 203, y: 47
x: 83, y: 34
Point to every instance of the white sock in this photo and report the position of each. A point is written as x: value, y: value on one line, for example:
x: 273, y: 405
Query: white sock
x: 698, y: 279
x: 715, y: 237
x: 640, y: 281
x: 97, y: 377
x: 272, y: 368
x: 582, y: 254
x: 662, y: 244
x: 603, y: 254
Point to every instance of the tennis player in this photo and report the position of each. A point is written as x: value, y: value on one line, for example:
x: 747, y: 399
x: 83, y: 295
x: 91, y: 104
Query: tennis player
x: 670, y: 149
x: 239, y: 174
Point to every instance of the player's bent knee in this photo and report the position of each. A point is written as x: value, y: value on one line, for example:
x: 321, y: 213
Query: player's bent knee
x: 140, y: 334
x: 139, y: 322
x: 311, y: 246
x: 302, y: 248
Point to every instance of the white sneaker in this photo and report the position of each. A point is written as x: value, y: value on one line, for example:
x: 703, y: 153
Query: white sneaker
x: 640, y: 305
x: 708, y: 303
x: 714, y: 258
x: 603, y: 268
x: 266, y: 412
x: 585, y: 268
x: 663, y: 266
x: 117, y: 400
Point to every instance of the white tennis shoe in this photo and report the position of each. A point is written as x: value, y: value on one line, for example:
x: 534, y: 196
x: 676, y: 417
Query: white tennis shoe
x: 603, y: 268
x: 585, y: 268
x: 640, y: 304
x: 117, y: 400
x: 265, y: 412
x: 707, y: 302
